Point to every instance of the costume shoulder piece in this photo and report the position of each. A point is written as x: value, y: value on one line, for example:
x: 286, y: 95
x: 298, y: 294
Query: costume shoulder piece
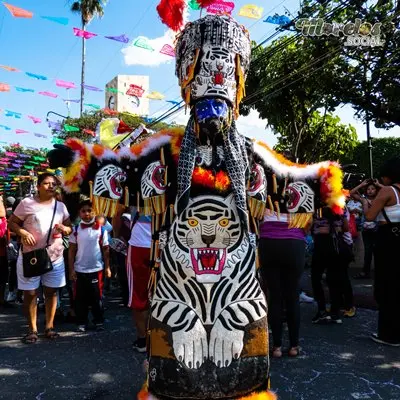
x: 111, y: 177
x: 297, y: 189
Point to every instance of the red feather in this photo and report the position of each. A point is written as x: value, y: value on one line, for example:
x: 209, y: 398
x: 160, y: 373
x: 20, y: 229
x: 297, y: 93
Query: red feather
x: 205, y: 3
x: 171, y: 13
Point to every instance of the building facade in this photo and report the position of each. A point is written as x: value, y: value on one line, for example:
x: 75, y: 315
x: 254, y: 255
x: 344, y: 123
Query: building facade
x: 126, y: 93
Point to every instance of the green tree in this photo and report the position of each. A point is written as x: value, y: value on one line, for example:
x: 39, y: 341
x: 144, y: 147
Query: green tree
x: 324, y: 138
x: 87, y: 9
x: 382, y: 150
x: 290, y: 80
x: 89, y: 120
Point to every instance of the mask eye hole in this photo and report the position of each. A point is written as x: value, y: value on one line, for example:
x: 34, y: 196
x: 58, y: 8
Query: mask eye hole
x: 224, y: 222
x: 192, y: 222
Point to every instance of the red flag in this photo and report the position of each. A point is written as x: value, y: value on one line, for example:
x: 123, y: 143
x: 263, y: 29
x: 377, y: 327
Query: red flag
x: 123, y: 127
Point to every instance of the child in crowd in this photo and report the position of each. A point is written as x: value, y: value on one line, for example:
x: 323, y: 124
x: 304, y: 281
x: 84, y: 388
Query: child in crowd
x: 88, y: 259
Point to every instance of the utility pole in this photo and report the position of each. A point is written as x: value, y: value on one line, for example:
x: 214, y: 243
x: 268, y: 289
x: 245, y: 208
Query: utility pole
x: 369, y: 143
x: 367, y: 119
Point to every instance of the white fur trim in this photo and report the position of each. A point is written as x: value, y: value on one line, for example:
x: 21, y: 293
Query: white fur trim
x: 149, y: 145
x: 296, y: 172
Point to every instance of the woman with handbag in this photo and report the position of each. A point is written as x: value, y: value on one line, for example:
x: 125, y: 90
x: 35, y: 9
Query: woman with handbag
x: 386, y: 210
x: 41, y: 221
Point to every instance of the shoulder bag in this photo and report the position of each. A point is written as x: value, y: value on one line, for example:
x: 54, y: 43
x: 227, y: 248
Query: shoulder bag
x: 37, y: 262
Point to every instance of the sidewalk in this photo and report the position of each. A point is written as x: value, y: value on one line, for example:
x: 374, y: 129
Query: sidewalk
x: 336, y: 363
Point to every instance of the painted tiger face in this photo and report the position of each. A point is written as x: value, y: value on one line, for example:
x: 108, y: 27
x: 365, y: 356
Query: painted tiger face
x: 216, y: 76
x: 108, y: 182
x: 206, y: 235
x: 300, y: 198
x: 258, y: 183
x: 153, y: 180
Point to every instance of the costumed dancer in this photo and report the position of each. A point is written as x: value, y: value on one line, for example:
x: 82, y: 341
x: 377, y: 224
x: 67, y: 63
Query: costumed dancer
x: 206, y: 189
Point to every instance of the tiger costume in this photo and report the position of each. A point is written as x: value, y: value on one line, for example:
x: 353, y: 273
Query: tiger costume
x: 207, y: 188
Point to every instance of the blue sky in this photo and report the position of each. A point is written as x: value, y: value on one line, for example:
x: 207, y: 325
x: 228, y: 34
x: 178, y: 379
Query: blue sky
x: 46, y: 48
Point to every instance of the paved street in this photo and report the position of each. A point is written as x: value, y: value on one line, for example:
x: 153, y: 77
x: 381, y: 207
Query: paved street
x: 337, y: 362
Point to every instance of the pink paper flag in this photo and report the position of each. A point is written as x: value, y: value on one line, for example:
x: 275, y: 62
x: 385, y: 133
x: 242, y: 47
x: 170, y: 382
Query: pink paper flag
x: 21, y: 131
x: 84, y: 34
x: 49, y: 94
x: 221, y: 7
x: 35, y: 120
x: 18, y: 12
x: 4, y: 87
x: 11, y: 154
x: 65, y: 84
x: 168, y: 50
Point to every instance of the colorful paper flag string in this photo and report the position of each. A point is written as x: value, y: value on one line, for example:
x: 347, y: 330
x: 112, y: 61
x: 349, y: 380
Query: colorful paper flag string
x: 194, y: 5
x: 175, y: 103
x: 13, y: 114
x: 155, y: 96
x: 18, y: 12
x: 10, y: 69
x: 221, y: 7
x: 21, y: 131
x: 58, y: 20
x: 92, y: 88
x: 251, y: 11
x: 49, y: 94
x: 35, y: 120
x: 70, y: 128
x: 121, y: 38
x: 54, y: 125
x: 23, y: 90
x: 84, y: 34
x: 168, y: 50
x: 89, y: 132
x: 278, y: 19
x: 4, y: 87
x: 65, y: 84
x: 143, y: 42
x: 95, y: 106
x: 36, y: 76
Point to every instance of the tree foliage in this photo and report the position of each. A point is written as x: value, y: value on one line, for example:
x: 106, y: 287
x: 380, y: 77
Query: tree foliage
x: 382, y: 150
x: 291, y: 79
x: 90, y: 120
x: 324, y: 138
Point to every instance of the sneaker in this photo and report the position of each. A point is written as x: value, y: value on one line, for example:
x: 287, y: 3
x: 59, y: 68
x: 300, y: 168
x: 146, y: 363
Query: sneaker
x: 321, y: 317
x: 12, y: 296
x: 99, y: 327
x: 140, y: 345
x: 81, y: 328
x: 335, y: 319
x: 376, y: 339
x: 350, y: 313
x: 305, y: 299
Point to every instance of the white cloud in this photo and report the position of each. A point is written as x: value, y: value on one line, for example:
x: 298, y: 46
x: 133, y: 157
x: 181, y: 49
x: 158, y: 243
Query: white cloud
x: 251, y: 126
x: 254, y: 127
x: 134, y: 55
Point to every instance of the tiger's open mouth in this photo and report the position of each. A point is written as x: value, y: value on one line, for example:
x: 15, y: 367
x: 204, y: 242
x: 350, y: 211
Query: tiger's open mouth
x: 115, y: 184
x: 293, y: 198
x: 208, y: 260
